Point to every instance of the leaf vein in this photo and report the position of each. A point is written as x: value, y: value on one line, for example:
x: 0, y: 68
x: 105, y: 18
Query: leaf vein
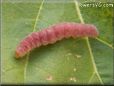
x: 104, y: 42
x: 27, y: 58
x: 88, y: 44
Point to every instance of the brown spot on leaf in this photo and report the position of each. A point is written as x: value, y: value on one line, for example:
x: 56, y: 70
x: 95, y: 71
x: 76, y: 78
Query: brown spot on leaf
x: 49, y: 78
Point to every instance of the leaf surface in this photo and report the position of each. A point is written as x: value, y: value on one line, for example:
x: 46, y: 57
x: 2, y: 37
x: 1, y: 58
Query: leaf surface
x: 74, y: 61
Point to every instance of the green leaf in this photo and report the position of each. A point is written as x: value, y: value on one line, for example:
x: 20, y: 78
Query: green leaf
x: 70, y: 61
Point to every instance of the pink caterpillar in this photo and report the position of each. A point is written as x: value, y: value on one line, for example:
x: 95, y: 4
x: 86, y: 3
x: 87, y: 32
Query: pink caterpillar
x: 54, y: 33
